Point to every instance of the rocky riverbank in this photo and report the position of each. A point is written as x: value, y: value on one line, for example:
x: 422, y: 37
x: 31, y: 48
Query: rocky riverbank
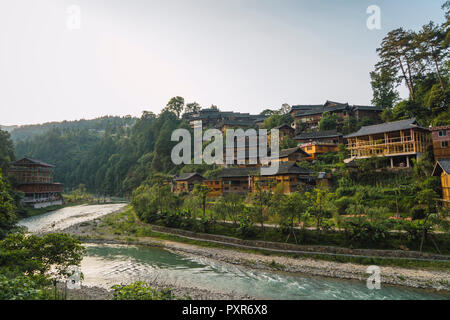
x: 416, y: 278
x: 98, y: 293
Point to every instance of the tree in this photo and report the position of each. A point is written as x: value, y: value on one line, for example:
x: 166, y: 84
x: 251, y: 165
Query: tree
x: 230, y: 205
x: 398, y: 56
x: 318, y: 204
x: 429, y: 43
x: 201, y: 191
x: 8, y: 217
x: 261, y: 198
x: 192, y: 107
x: 6, y: 150
x: 292, y: 207
x: 175, y: 105
x: 328, y: 121
x: 384, y: 87
x: 29, y: 255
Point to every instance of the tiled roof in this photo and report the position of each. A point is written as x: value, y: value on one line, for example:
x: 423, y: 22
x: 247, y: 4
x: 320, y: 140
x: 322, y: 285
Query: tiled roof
x: 187, y: 176
x: 329, y: 106
x: 237, y: 172
x: 31, y: 161
x: 291, y: 168
x: 442, y: 164
x: 318, y: 134
x: 386, y: 127
x: 287, y: 152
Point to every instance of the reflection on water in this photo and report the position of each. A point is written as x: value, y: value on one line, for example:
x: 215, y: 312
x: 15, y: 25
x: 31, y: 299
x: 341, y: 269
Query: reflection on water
x: 108, y: 265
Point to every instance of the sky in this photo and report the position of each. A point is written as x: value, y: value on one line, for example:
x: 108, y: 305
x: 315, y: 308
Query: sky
x: 118, y: 57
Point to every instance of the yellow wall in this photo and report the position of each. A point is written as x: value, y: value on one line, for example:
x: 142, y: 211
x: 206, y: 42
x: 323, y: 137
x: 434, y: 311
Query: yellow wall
x: 445, y: 180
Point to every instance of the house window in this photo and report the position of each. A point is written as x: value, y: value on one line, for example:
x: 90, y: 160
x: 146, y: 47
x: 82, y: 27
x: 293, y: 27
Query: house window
x: 442, y: 133
x: 444, y: 144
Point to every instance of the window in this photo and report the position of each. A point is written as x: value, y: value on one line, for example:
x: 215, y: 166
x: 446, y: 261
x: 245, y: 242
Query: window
x: 442, y: 133
x: 444, y: 144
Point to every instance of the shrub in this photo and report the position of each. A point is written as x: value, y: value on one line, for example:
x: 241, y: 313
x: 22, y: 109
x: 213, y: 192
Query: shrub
x: 142, y: 291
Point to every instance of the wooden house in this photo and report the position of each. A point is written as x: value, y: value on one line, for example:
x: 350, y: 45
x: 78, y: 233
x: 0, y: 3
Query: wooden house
x: 35, y: 179
x: 399, y: 141
x: 287, y: 179
x: 186, y: 182
x: 442, y: 170
x: 441, y: 141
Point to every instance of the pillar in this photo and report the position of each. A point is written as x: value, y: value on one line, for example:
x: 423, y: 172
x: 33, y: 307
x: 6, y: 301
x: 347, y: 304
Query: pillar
x: 407, y: 161
x: 392, y: 162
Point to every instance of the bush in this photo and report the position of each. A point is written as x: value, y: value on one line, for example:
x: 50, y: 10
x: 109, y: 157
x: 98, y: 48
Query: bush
x: 365, y: 231
x: 142, y: 291
x: 245, y: 227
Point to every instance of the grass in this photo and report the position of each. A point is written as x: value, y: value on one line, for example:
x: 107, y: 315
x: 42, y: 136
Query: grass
x: 124, y: 224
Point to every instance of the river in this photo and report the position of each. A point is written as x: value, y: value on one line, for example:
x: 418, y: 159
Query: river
x: 106, y: 265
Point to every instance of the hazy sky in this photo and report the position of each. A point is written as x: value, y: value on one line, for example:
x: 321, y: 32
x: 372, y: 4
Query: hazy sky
x: 241, y: 55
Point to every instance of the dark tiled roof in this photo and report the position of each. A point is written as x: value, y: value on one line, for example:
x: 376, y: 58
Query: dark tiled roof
x: 292, y: 168
x: 386, y: 127
x: 329, y: 106
x: 284, y: 126
x: 318, y: 134
x: 237, y: 172
x: 287, y: 152
x: 306, y: 107
x: 31, y: 161
x: 370, y: 108
x: 442, y: 165
x: 187, y: 176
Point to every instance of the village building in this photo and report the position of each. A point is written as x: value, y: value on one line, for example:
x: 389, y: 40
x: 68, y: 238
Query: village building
x: 35, y: 179
x: 288, y: 179
x: 442, y: 170
x: 285, y: 132
x: 441, y: 141
x: 236, y: 180
x: 399, y: 141
x: 185, y: 182
x: 215, y: 188
x: 319, y: 142
x: 307, y: 117
x: 295, y: 154
x: 223, y: 120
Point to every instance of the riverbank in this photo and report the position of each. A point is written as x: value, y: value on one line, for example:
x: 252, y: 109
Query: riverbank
x: 98, y: 293
x: 101, y: 231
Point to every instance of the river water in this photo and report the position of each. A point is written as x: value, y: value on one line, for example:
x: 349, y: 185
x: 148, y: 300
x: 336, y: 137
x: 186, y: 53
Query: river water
x: 107, y: 265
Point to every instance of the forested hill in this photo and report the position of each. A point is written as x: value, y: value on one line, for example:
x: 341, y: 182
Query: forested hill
x: 99, y: 124
x: 114, y: 160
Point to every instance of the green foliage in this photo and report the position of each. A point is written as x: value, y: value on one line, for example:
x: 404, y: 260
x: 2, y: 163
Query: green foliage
x: 276, y: 120
x: 142, y: 291
x: 22, y: 288
x: 6, y: 150
x: 420, y: 61
x: 8, y: 209
x: 30, y: 254
x: 328, y: 122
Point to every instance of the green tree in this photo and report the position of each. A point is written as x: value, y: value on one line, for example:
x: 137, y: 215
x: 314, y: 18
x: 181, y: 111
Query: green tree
x: 175, y: 105
x: 6, y: 150
x: 8, y: 216
x: 384, y: 87
x: 328, y: 121
x: 292, y: 207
